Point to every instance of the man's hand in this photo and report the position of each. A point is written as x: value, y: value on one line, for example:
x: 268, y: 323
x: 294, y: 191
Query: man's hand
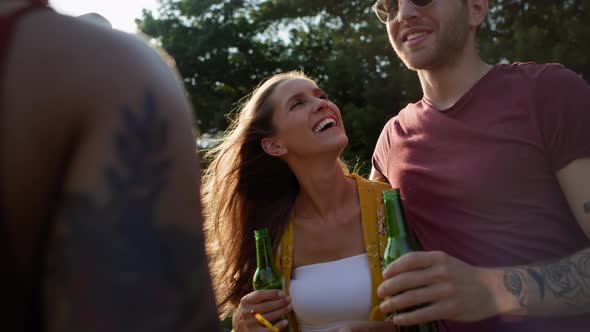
x: 442, y: 286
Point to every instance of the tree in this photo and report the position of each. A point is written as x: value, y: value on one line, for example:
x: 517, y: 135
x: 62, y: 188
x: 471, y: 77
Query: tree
x: 539, y: 31
x: 224, y: 48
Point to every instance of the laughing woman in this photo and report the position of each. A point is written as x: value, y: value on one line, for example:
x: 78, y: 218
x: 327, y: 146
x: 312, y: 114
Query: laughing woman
x: 279, y: 167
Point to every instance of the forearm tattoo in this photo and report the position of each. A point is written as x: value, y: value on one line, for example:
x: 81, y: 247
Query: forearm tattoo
x: 565, y: 283
x: 119, y: 269
x: 513, y: 281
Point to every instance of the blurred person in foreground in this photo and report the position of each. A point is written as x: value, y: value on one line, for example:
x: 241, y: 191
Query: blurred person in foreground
x: 99, y: 187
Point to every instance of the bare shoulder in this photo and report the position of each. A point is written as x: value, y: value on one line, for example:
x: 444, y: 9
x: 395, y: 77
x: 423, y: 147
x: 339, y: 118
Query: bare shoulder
x: 65, y: 86
x: 93, y: 65
x: 102, y: 130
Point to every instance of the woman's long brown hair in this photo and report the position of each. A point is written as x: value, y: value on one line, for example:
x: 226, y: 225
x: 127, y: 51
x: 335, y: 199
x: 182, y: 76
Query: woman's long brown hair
x: 244, y: 188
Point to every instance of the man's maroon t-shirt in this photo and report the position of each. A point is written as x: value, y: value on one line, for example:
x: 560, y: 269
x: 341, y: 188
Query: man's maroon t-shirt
x: 478, y: 181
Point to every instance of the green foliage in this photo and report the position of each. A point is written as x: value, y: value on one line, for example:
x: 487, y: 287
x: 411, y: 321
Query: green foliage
x: 224, y: 48
x: 539, y: 31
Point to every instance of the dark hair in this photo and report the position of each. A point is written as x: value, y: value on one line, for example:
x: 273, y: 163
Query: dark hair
x: 244, y: 188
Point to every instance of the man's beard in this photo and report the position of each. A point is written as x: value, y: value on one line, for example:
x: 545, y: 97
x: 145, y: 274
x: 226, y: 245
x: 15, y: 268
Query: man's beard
x: 446, y: 48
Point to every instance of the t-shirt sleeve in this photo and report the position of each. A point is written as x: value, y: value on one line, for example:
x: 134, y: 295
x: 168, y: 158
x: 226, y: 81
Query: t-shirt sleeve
x: 381, y: 154
x: 564, y: 115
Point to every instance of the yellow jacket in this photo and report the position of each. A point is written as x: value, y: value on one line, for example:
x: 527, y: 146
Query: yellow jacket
x: 373, y: 220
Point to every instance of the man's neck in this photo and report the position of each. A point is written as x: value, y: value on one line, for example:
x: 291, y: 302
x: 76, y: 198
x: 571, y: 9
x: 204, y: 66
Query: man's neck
x: 444, y: 86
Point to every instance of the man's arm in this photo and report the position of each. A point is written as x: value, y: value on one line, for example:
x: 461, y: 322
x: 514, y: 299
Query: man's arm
x: 562, y: 286
x: 458, y: 291
x: 382, y: 155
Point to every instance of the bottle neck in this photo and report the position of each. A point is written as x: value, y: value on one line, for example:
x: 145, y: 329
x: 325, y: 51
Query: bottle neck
x: 394, y: 218
x: 264, y: 257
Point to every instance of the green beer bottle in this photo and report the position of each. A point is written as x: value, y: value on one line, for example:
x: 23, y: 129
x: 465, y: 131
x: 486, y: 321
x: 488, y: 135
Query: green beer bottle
x: 399, y: 242
x: 267, y: 274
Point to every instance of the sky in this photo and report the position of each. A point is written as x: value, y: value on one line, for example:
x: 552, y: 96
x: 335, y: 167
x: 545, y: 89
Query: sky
x: 121, y: 13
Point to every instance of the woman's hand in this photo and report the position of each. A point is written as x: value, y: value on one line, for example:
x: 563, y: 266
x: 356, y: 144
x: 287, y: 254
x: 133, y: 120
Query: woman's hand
x: 441, y: 286
x: 272, y: 304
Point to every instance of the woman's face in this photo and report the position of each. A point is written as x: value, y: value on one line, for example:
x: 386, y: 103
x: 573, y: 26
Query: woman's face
x: 307, y: 123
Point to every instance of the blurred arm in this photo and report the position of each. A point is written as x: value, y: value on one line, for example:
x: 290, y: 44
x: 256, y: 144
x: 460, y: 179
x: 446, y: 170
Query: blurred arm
x: 128, y: 252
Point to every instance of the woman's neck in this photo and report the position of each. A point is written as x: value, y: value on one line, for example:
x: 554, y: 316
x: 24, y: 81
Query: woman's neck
x: 324, y: 190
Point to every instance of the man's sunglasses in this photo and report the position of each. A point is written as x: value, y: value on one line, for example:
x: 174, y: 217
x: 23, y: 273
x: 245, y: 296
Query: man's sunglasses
x: 386, y: 10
